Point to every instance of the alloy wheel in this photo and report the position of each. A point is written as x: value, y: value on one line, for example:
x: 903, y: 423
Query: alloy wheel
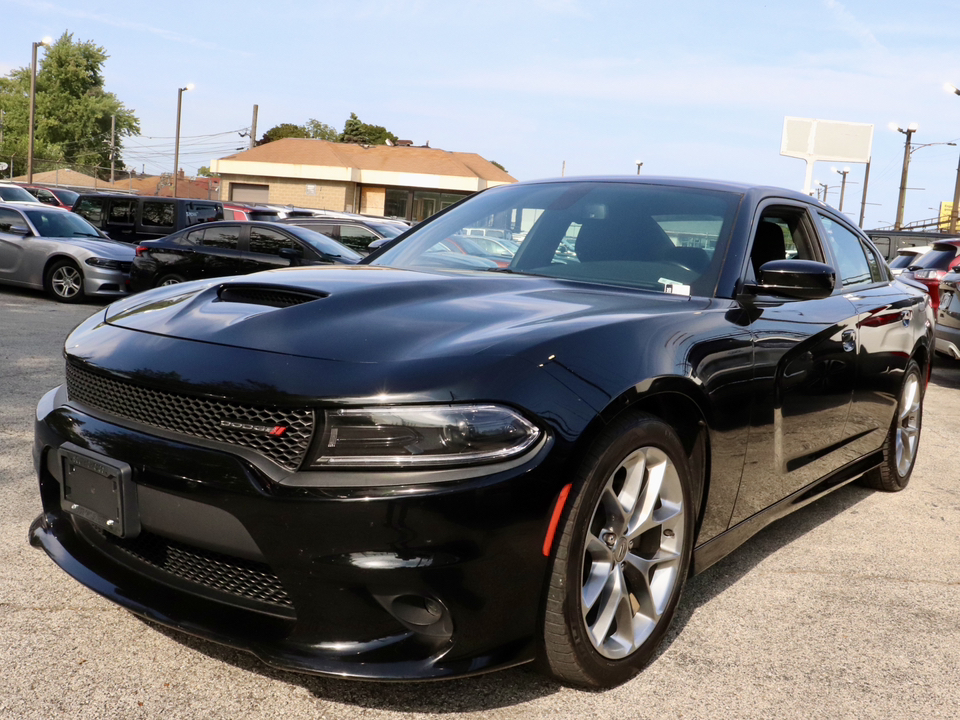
x: 633, y: 553
x: 908, y: 424
x: 66, y: 281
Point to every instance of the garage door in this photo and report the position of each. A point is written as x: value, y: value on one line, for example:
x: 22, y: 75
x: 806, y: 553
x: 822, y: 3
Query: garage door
x: 245, y: 192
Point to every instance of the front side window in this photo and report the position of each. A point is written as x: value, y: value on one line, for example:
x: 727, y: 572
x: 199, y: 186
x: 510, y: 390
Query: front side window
x: 159, y: 214
x: 91, y: 209
x: 854, y: 268
x: 654, y: 237
x: 122, y: 212
x: 270, y: 242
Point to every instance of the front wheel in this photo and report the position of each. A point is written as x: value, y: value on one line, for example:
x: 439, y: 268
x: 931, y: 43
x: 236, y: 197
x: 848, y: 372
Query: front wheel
x: 170, y: 279
x: 65, y: 282
x: 622, y: 556
x: 903, y: 440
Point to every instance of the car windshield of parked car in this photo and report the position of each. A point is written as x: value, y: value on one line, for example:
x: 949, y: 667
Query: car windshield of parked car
x: 937, y: 259
x: 388, y: 230
x: 323, y: 244
x: 67, y: 197
x: 12, y: 193
x: 656, y: 237
x: 61, y: 224
x: 902, y: 261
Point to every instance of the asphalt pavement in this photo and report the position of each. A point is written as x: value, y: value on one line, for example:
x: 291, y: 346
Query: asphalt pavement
x: 849, y: 608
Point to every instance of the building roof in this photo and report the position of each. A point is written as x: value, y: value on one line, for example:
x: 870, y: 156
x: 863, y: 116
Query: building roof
x: 64, y: 176
x: 372, y: 158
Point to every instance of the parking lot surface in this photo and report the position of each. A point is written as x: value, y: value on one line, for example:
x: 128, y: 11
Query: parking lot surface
x: 850, y: 608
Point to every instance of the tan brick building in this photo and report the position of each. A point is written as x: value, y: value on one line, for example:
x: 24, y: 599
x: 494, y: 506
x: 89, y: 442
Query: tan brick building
x: 399, y: 181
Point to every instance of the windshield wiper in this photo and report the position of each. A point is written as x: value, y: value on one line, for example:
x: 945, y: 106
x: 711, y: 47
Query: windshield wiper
x: 507, y: 270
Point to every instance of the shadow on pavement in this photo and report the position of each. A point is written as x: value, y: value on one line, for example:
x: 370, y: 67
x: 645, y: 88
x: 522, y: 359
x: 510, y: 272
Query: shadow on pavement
x: 946, y: 372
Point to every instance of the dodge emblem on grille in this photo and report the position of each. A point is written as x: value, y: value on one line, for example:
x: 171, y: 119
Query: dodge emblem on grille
x: 233, y: 424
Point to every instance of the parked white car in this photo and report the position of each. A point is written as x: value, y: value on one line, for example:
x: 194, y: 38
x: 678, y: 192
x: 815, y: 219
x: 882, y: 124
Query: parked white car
x: 907, y: 255
x: 52, y: 249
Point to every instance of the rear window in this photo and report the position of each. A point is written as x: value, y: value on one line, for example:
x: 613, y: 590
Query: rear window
x: 937, y: 259
x: 902, y: 261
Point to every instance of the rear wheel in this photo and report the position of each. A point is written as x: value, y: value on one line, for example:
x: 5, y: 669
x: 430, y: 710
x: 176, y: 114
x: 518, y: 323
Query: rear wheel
x: 902, y: 442
x: 622, y: 556
x: 64, y: 281
x: 170, y: 279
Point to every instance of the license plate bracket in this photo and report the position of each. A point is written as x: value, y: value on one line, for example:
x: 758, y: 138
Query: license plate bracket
x: 100, y: 490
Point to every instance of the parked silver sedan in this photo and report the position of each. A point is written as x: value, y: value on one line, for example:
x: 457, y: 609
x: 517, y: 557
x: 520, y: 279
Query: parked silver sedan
x: 57, y: 251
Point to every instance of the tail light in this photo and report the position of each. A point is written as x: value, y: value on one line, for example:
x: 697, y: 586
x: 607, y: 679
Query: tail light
x: 141, y: 250
x: 929, y: 274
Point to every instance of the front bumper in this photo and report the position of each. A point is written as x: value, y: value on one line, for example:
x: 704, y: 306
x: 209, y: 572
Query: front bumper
x: 411, y: 581
x: 105, y: 282
x: 947, y: 339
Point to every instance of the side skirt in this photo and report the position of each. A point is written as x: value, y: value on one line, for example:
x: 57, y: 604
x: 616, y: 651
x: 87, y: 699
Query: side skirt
x: 719, y: 547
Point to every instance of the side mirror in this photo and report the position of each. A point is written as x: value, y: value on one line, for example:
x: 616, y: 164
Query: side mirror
x: 294, y: 255
x: 798, y: 279
x: 19, y: 230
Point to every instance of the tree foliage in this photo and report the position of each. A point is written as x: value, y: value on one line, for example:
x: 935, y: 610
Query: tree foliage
x: 357, y: 131
x: 73, y: 110
x: 354, y: 131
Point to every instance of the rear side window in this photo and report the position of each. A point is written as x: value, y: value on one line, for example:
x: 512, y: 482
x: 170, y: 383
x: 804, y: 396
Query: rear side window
x: 158, y: 214
x: 227, y: 237
x: 849, y: 251
x: 202, y: 213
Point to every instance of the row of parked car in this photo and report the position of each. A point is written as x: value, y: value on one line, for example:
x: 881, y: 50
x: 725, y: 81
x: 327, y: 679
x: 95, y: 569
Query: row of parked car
x: 75, y: 245
x: 111, y: 244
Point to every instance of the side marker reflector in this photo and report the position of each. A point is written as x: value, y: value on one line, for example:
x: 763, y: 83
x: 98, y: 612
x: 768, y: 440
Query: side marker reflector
x: 555, y: 519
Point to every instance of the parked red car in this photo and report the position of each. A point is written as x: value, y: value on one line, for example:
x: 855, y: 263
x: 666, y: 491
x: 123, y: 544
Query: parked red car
x: 55, y: 196
x: 930, y: 267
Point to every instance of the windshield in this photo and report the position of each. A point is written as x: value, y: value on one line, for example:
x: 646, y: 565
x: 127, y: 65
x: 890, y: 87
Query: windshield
x: 902, y: 261
x: 388, y: 230
x: 654, y: 237
x: 61, y: 224
x: 67, y: 197
x: 937, y: 259
x: 323, y: 244
x: 12, y: 193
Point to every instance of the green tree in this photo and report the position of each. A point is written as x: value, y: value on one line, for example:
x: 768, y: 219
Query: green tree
x: 73, y: 110
x: 357, y: 131
x: 496, y: 164
x: 283, y: 130
x: 321, y: 131
x: 204, y: 171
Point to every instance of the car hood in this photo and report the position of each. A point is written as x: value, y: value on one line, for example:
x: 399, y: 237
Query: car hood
x: 374, y: 314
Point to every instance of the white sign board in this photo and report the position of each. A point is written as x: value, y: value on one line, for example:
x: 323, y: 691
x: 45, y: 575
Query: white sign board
x: 3, y: 166
x: 833, y: 140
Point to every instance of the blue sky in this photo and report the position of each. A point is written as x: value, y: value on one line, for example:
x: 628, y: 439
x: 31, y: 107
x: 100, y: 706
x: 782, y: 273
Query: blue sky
x: 688, y: 87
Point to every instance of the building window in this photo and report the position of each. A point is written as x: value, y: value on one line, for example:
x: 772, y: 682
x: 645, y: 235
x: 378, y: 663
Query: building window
x: 395, y: 204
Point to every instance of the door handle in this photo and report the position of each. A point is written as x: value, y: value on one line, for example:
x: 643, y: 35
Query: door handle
x: 849, y: 339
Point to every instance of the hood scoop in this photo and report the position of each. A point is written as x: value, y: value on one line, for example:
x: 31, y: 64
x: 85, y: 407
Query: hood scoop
x: 275, y: 296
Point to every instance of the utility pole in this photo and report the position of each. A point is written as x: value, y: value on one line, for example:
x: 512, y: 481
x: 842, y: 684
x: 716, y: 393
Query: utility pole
x: 113, y: 145
x: 1, y: 127
x: 253, y: 128
x: 911, y: 129
x: 956, y: 202
x: 863, y: 201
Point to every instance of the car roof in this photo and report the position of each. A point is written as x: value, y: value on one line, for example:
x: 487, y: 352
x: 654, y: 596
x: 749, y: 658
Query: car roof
x: 128, y: 196
x: 32, y: 206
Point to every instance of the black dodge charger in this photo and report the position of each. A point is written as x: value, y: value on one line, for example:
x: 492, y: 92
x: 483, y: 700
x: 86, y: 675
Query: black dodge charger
x: 403, y: 470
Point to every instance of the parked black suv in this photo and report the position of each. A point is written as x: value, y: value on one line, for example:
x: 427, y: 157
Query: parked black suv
x: 131, y: 218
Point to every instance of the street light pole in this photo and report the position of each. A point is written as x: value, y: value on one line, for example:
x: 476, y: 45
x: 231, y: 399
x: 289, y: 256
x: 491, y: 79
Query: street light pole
x: 46, y: 42
x: 176, y: 142
x: 843, y: 184
x: 911, y: 129
x: 825, y: 188
x: 956, y: 188
x: 639, y: 165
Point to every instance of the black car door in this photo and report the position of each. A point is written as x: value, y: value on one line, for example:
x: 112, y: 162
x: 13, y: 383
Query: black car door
x: 805, y: 368
x: 268, y: 249
x: 221, y: 251
x: 888, y: 321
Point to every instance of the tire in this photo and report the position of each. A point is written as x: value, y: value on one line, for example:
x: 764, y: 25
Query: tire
x: 621, y: 558
x: 64, y: 282
x: 903, y: 440
x: 171, y: 279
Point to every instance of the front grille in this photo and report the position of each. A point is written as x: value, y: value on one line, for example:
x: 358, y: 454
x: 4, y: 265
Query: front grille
x: 196, y: 416
x: 225, y: 573
x: 125, y: 266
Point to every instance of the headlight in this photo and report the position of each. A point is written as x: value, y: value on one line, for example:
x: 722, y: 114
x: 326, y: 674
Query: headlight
x: 422, y: 435
x: 104, y: 263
